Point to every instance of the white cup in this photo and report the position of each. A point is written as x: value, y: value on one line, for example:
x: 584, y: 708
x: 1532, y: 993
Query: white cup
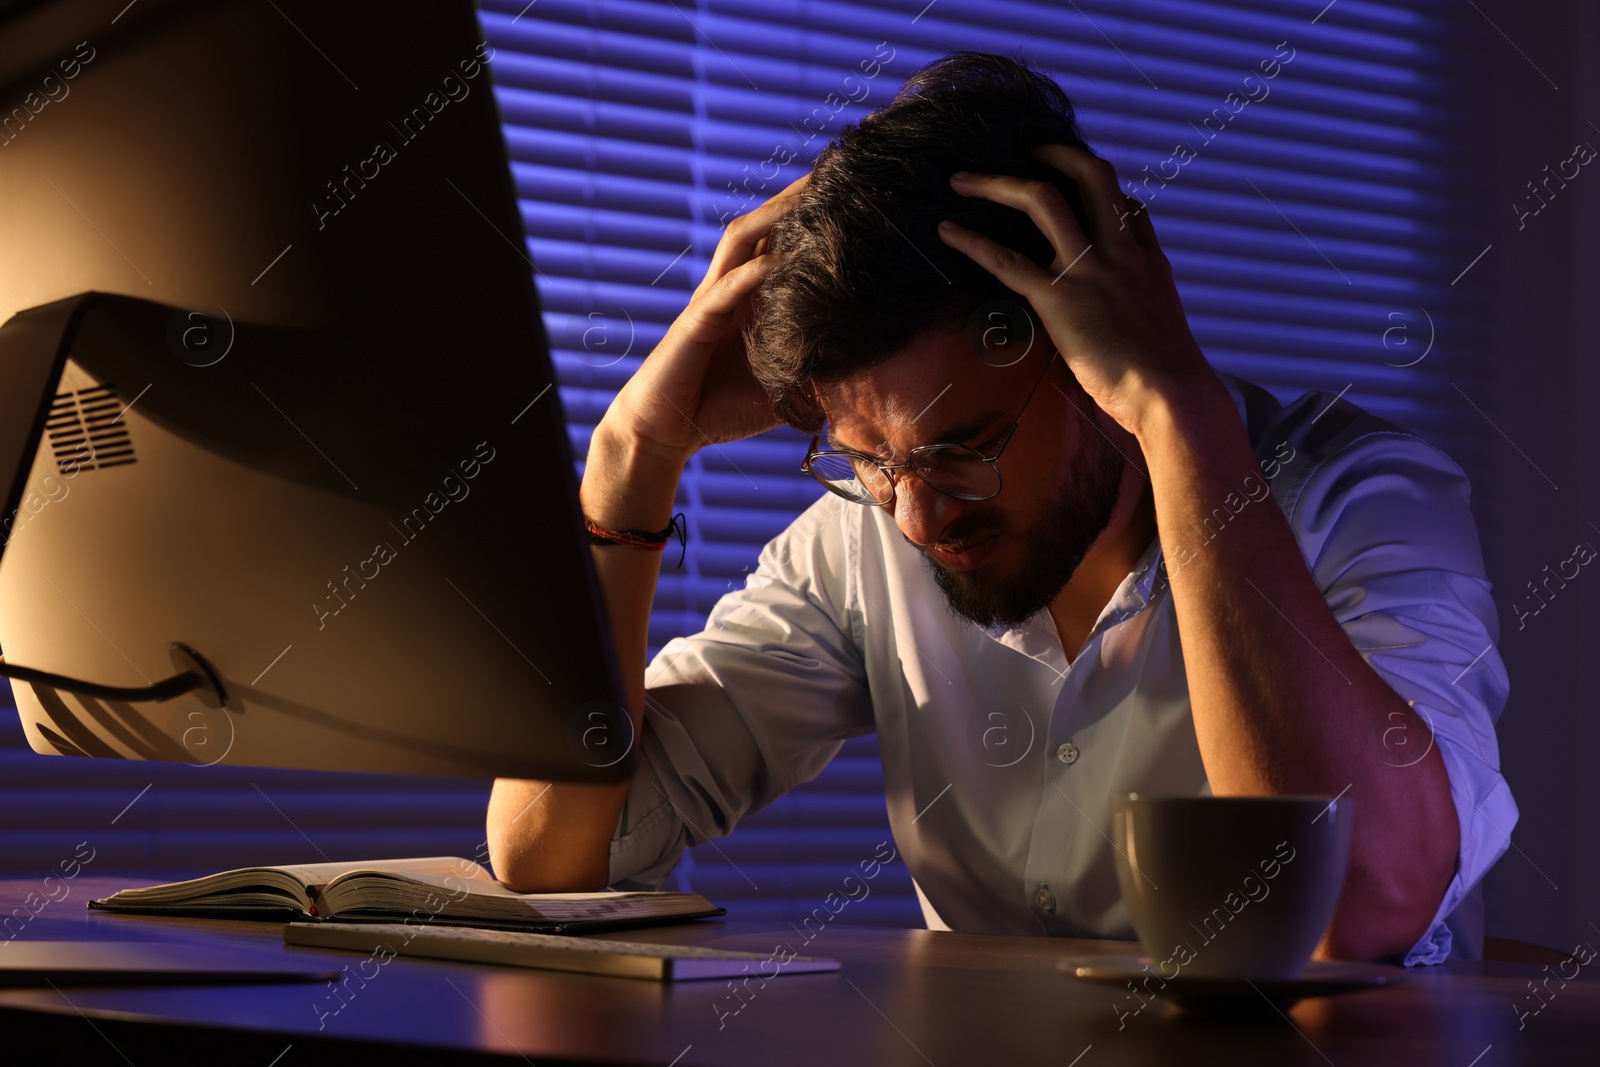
x: 1230, y: 887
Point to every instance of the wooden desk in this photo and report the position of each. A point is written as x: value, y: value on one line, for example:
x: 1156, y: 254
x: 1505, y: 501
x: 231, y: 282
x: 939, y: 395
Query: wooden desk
x: 909, y: 997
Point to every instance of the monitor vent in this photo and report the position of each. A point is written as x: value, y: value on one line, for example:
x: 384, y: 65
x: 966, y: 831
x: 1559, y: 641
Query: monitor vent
x: 86, y: 430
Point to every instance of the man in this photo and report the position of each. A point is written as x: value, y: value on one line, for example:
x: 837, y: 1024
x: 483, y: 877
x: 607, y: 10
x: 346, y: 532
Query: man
x: 1037, y: 485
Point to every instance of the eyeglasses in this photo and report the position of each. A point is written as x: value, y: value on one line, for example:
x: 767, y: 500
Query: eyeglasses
x: 955, y: 470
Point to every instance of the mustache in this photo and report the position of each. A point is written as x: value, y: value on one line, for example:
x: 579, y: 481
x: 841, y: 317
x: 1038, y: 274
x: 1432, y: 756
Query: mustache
x: 971, y: 527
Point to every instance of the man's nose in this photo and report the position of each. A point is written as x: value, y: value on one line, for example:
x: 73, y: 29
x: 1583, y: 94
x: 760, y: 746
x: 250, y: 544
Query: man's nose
x: 920, y: 510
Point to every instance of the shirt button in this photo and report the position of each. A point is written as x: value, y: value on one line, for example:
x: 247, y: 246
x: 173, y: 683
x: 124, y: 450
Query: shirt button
x: 1045, y: 899
x: 1067, y: 753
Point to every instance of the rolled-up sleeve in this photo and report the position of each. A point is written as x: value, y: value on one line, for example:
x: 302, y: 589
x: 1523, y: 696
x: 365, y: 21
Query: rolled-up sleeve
x: 755, y: 704
x: 1388, y: 532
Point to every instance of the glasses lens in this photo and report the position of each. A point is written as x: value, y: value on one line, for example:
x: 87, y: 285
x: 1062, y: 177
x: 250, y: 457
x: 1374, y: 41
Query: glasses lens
x: 957, y: 471
x: 852, y: 478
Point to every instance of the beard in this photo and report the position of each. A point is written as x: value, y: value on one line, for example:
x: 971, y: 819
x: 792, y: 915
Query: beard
x: 1057, y: 539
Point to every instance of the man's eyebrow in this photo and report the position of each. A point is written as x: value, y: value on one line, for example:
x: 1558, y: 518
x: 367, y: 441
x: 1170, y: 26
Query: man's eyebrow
x: 952, y: 435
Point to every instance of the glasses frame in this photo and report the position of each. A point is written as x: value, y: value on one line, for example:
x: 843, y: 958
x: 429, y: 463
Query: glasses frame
x: 813, y: 454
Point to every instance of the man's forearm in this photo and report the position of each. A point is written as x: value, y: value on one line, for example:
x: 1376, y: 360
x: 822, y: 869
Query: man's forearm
x: 1282, y: 701
x: 549, y: 837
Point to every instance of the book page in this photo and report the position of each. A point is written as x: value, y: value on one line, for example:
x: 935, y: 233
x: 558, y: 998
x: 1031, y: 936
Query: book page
x: 435, y: 866
x: 451, y: 896
x: 488, y: 887
x: 295, y: 885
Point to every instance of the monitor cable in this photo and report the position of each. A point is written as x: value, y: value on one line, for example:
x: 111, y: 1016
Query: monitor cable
x: 200, y: 677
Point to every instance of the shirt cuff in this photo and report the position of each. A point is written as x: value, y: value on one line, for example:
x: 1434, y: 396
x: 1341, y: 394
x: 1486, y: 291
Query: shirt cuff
x: 1485, y: 833
x: 632, y: 849
x: 1436, y: 943
x: 649, y: 838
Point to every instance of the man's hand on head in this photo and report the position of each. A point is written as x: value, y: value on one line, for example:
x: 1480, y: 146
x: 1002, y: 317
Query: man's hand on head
x: 1302, y: 717
x: 696, y: 388
x: 1107, y: 299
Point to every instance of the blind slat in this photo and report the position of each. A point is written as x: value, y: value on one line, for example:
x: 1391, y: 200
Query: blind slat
x: 1303, y: 223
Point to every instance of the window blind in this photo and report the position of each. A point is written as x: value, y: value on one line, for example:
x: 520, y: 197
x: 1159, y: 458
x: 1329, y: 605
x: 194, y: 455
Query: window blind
x: 1308, y: 171
x: 1319, y: 220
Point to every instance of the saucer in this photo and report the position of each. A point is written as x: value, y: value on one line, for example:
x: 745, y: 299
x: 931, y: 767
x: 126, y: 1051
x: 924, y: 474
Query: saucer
x: 1321, y: 978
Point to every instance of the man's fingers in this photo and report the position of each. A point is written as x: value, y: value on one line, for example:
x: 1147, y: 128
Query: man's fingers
x: 1136, y: 217
x: 1010, y: 266
x: 794, y: 187
x: 744, y: 237
x: 1039, y: 200
x: 713, y: 310
x: 1097, y: 183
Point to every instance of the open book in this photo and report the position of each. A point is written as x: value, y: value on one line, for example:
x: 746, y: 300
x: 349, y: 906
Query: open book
x: 444, y: 889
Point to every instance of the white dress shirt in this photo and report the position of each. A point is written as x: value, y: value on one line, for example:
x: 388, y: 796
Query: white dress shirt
x: 1000, y: 757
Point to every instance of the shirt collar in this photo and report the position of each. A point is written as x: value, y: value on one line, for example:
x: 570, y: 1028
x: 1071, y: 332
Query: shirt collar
x: 1036, y: 635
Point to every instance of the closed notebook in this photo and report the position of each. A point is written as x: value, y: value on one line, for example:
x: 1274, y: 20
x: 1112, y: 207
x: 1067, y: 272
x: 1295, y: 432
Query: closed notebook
x: 444, y: 889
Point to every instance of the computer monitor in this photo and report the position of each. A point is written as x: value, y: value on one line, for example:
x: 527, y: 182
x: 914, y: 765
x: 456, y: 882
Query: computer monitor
x: 277, y: 411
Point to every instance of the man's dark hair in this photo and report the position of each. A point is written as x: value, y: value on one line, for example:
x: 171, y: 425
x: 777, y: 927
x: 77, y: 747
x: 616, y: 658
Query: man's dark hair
x: 864, y: 270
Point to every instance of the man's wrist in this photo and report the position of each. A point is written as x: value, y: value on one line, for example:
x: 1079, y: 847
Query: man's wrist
x: 1198, y: 404
x: 629, y: 482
